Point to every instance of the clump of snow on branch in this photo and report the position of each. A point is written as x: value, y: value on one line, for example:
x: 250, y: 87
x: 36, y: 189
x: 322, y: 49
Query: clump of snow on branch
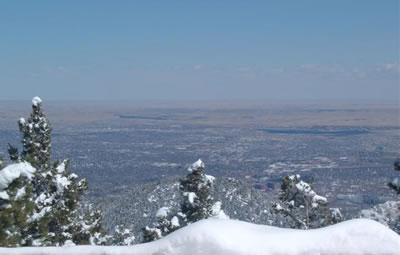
x: 14, y: 171
x: 196, y: 166
x: 36, y: 101
x: 162, y: 212
x: 217, y: 211
x: 61, y: 167
x: 190, y: 197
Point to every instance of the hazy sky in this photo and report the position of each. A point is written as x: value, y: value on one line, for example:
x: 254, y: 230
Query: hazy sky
x: 197, y: 50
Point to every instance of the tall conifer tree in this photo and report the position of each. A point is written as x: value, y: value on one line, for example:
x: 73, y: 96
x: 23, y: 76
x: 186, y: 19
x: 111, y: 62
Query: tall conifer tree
x: 51, y: 202
x: 196, y: 190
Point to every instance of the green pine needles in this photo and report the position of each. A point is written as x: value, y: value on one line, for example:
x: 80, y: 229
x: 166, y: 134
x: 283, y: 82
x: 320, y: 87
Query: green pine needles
x: 40, y: 200
x: 303, y: 207
x: 197, y: 204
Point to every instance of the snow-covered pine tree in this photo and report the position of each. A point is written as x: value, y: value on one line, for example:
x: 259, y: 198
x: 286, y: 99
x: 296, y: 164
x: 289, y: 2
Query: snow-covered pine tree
x: 122, y: 236
x: 167, y: 222
x: 303, y: 205
x: 36, y: 144
x: 151, y: 234
x: 197, y: 204
x: 16, y: 205
x: 395, y: 183
x: 55, y: 191
x: 36, y: 136
x: 65, y: 221
x: 196, y: 191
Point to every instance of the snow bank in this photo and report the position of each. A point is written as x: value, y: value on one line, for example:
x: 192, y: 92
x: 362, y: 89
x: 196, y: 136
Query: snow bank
x: 228, y: 237
x: 162, y: 212
x: 13, y: 171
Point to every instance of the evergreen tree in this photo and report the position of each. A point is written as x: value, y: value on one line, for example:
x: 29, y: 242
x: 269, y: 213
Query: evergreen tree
x: 302, y: 204
x: 54, y: 191
x: 36, y: 133
x: 151, y: 234
x: 36, y: 144
x: 16, y: 205
x: 197, y: 204
x: 196, y: 190
x: 122, y: 236
x: 167, y: 222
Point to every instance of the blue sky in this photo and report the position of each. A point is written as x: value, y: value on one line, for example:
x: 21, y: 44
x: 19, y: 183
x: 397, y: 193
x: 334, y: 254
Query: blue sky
x: 200, y: 50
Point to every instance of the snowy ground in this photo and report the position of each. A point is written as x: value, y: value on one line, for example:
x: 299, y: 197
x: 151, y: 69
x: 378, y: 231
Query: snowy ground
x: 229, y: 237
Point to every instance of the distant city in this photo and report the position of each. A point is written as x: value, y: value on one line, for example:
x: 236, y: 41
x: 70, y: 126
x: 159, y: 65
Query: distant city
x: 348, y: 149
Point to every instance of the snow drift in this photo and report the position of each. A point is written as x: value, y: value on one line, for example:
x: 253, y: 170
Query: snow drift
x: 230, y: 237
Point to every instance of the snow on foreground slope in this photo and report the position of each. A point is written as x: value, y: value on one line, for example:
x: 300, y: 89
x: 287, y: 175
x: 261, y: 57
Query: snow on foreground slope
x: 229, y: 237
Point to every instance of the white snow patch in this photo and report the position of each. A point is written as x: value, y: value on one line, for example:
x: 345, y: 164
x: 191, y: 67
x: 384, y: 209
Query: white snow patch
x: 129, y: 240
x: 38, y: 215
x: 36, y: 242
x: 69, y: 243
x: 20, y: 193
x: 163, y: 164
x: 162, y: 212
x: 278, y: 207
x: 4, y: 195
x: 175, y: 221
x: 61, y: 167
x: 13, y: 171
x: 73, y: 176
x: 210, y: 178
x: 62, y: 182
x: 232, y: 237
x: 196, y: 165
x: 336, y: 213
x: 318, y: 199
x: 191, y: 196
x: 217, y: 211
x: 36, y: 101
x: 21, y: 121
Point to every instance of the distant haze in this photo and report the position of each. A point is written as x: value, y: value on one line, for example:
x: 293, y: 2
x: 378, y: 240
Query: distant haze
x: 200, y: 50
